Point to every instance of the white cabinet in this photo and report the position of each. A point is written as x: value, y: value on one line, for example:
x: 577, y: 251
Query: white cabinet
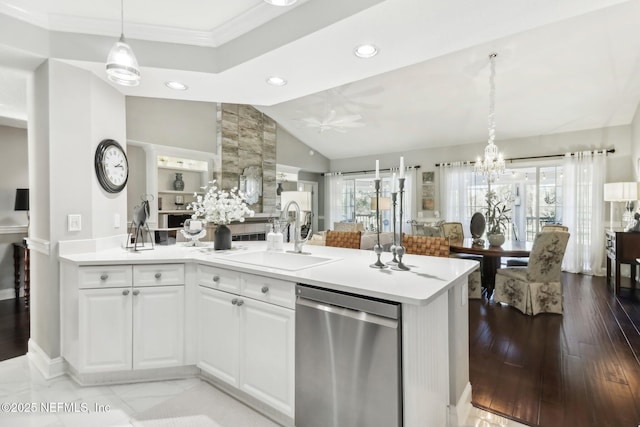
x: 249, y: 343
x: 127, y: 327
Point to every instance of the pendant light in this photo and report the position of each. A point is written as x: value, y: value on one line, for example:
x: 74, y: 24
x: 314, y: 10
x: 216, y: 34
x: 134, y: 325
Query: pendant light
x: 281, y: 2
x: 493, y: 163
x: 122, y: 65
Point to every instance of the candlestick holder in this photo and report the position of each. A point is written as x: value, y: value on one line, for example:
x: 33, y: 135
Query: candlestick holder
x: 400, y: 250
x: 377, y: 248
x: 394, y: 248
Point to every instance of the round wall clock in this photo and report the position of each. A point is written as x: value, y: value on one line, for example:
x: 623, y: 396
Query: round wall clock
x: 112, y: 168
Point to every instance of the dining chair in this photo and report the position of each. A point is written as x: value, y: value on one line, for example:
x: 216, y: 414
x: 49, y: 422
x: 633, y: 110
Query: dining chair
x: 523, y: 262
x: 343, y: 239
x: 439, y: 246
x: 454, y: 231
x: 536, y: 288
x: 426, y: 245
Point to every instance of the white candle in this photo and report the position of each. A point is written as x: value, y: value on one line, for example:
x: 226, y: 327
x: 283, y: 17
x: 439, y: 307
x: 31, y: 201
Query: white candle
x: 393, y: 183
x: 401, y: 166
x: 195, y: 225
x: 377, y: 169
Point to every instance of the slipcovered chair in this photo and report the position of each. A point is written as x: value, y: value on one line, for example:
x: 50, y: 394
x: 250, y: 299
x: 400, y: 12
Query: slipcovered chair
x: 452, y: 230
x: 343, y: 239
x: 545, y: 228
x: 426, y: 245
x: 439, y: 246
x: 348, y: 226
x: 536, y: 288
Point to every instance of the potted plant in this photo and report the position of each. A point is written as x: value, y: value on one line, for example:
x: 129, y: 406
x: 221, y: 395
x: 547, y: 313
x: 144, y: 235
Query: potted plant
x: 497, y: 219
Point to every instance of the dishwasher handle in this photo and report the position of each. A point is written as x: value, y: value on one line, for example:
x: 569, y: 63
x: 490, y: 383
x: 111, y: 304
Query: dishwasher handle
x: 346, y: 312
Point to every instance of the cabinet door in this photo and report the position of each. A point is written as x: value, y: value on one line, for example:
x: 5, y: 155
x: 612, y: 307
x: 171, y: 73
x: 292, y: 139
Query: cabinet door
x: 105, y: 329
x: 218, y: 325
x: 267, y: 353
x: 158, y: 326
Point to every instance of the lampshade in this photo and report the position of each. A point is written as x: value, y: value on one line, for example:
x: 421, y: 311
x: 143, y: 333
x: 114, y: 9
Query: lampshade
x: 621, y: 191
x: 302, y: 198
x: 22, y: 199
x: 385, y: 203
x: 122, y: 65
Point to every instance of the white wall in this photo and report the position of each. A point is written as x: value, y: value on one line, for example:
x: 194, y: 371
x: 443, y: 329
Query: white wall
x: 70, y: 112
x: 635, y: 144
x: 618, y: 168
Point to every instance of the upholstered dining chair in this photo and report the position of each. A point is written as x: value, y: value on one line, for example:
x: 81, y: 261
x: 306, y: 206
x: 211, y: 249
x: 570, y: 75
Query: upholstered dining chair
x: 439, y: 246
x: 452, y: 230
x: 343, y: 239
x: 536, y: 288
x: 523, y: 262
x: 554, y: 227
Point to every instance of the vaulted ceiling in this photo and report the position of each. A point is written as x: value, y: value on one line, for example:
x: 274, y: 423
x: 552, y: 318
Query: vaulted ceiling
x: 561, y: 66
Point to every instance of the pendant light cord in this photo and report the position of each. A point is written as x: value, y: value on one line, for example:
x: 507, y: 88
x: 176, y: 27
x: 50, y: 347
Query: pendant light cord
x: 492, y: 96
x: 122, y: 17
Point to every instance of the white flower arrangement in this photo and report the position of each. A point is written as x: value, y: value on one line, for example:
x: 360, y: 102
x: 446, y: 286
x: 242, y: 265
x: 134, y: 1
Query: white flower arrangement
x: 220, y: 206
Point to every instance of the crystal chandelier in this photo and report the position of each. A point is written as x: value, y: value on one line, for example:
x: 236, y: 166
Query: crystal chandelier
x: 493, y: 164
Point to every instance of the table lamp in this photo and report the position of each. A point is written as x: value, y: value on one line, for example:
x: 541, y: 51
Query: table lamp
x: 621, y: 192
x: 22, y: 202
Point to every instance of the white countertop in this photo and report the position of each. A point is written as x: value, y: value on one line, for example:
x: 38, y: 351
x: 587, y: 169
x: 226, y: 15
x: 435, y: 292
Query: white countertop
x: 350, y: 272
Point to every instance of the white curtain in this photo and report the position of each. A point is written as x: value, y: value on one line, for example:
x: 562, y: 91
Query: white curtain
x: 408, y: 198
x: 332, y: 199
x: 582, y: 189
x: 455, y: 178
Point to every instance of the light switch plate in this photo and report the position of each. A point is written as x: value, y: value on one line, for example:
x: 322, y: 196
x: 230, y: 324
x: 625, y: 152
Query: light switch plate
x: 74, y: 222
x: 116, y: 221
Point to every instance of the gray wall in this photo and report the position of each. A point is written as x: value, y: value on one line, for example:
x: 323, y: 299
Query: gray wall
x: 14, y: 173
x: 293, y: 152
x: 635, y: 145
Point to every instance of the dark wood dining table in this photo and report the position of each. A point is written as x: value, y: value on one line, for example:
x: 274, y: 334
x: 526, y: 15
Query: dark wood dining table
x: 491, y: 256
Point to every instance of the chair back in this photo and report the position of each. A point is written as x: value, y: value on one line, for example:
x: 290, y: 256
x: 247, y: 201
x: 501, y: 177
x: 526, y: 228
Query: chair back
x: 452, y: 230
x: 545, y: 260
x: 554, y: 227
x: 343, y: 239
x: 426, y: 245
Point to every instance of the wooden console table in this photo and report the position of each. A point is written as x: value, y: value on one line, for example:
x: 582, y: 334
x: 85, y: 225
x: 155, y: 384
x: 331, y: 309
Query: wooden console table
x: 622, y: 248
x: 20, y: 255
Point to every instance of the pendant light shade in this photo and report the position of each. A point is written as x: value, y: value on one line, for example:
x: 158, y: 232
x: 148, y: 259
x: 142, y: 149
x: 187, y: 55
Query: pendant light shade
x: 122, y: 65
x: 281, y: 2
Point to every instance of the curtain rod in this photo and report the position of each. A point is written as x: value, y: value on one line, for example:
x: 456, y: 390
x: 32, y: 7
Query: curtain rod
x: 367, y: 171
x: 548, y: 156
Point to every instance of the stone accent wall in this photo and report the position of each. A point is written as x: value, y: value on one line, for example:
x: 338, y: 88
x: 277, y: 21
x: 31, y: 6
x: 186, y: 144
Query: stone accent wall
x: 249, y: 139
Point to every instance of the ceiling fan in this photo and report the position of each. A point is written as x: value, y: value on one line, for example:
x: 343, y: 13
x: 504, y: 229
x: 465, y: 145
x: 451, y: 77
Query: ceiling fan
x: 334, y: 122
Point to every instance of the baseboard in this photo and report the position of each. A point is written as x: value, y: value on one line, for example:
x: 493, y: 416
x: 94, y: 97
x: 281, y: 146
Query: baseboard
x: 49, y: 368
x: 458, y: 414
x: 10, y: 293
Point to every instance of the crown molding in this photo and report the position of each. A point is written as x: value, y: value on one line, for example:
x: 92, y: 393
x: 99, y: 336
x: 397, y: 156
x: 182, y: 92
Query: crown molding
x: 237, y: 26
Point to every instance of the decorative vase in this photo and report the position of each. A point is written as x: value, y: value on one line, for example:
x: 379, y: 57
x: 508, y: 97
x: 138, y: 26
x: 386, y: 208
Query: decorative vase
x: 178, y: 184
x: 222, y: 238
x: 496, y: 239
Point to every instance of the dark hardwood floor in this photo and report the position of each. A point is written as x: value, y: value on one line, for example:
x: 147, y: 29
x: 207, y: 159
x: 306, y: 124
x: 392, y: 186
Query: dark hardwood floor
x: 14, y: 328
x: 581, y: 368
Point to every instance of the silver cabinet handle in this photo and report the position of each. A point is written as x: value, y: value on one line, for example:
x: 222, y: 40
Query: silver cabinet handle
x: 234, y: 301
x: 104, y: 276
x: 125, y: 292
x: 265, y: 289
x: 216, y: 278
x: 136, y: 291
x: 239, y: 303
x: 158, y: 275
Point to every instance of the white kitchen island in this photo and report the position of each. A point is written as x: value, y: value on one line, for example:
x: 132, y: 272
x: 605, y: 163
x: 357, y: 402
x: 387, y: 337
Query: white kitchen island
x: 162, y: 298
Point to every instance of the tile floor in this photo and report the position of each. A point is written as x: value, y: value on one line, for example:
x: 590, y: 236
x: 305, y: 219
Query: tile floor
x: 60, y: 402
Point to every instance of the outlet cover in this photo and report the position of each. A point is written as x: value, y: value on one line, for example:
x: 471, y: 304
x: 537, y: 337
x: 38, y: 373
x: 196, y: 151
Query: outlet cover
x: 74, y: 222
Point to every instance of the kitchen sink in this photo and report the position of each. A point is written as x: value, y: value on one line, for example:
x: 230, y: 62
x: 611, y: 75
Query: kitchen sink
x: 281, y: 260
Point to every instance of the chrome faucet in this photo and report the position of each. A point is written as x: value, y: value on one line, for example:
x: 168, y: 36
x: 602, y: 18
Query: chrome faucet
x: 297, y: 228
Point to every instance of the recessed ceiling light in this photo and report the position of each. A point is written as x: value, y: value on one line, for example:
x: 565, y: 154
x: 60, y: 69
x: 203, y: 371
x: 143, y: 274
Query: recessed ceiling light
x: 276, y: 81
x: 281, y: 2
x: 176, y: 85
x: 366, y: 51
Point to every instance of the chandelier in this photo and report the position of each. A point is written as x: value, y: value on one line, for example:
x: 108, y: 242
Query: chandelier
x: 493, y: 164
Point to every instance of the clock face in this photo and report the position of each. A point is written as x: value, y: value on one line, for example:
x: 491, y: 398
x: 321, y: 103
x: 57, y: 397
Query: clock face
x: 112, y: 168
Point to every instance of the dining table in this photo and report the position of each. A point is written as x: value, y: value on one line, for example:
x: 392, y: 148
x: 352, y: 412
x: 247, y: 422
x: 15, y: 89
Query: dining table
x: 491, y: 256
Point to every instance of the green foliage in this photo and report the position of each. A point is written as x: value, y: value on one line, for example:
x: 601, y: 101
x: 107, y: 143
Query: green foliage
x: 496, y: 214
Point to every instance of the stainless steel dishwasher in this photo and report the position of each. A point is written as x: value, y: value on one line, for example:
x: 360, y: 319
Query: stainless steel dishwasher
x: 348, y: 360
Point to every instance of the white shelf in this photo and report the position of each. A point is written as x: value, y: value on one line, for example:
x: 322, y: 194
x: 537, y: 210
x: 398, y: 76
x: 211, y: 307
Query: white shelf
x: 175, y: 211
x: 181, y: 168
x: 178, y: 192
